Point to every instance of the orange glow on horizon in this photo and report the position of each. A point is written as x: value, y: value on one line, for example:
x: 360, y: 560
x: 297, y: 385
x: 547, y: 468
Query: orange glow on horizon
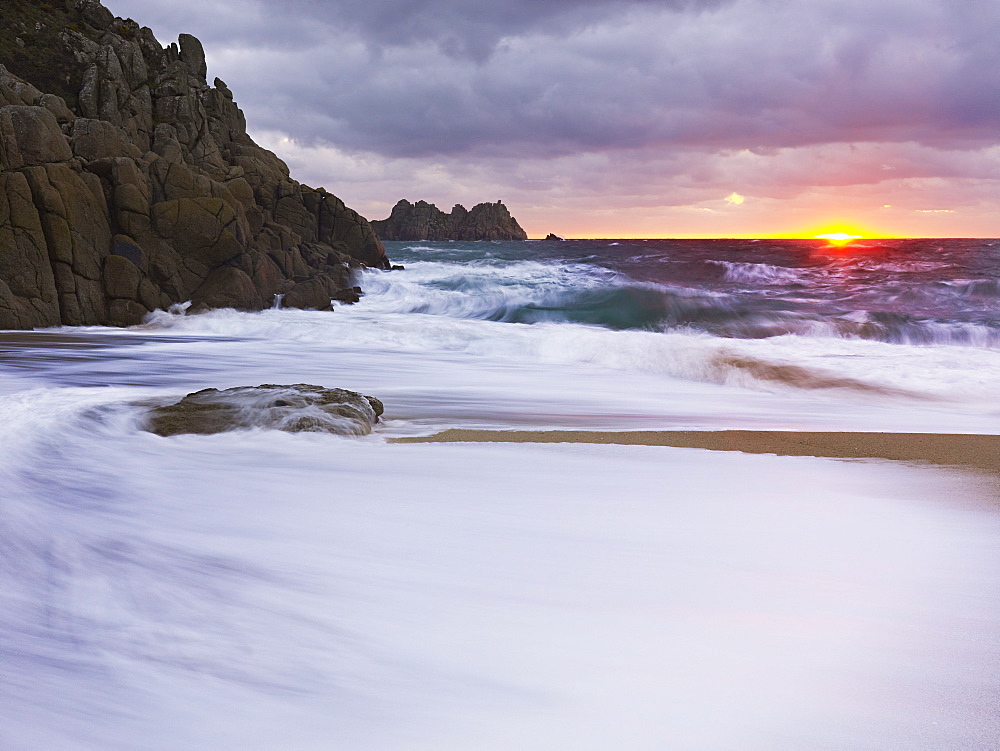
x: 838, y: 233
x: 841, y: 233
x: 838, y: 238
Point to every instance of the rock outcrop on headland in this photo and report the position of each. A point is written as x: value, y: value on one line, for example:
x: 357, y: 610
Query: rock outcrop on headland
x: 128, y: 183
x: 425, y: 221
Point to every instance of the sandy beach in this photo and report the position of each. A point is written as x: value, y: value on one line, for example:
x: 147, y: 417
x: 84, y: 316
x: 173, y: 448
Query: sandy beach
x: 981, y: 452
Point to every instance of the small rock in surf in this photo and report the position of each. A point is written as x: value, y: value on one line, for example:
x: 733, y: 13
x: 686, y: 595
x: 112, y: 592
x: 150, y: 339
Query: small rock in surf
x: 297, y: 408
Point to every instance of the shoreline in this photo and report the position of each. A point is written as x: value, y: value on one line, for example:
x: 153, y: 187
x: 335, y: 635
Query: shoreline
x: 966, y: 450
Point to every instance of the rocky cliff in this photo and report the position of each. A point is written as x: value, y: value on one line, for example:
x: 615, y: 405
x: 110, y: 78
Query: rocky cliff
x: 425, y: 221
x: 128, y: 183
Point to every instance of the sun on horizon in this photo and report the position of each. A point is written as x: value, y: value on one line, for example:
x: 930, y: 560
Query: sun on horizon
x: 838, y: 238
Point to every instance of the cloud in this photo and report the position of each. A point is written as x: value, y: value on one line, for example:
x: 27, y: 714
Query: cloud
x: 545, y: 77
x: 734, y: 198
x: 635, y: 192
x: 644, y: 102
x: 468, y: 29
x: 475, y: 28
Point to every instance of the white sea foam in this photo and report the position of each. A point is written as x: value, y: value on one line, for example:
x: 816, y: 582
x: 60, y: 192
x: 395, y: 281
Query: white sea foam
x: 963, y: 375
x: 307, y: 592
x: 259, y: 590
x: 479, y: 290
x: 533, y: 292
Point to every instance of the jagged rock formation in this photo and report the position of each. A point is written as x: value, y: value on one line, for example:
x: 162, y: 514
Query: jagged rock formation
x: 551, y: 236
x: 425, y: 221
x: 127, y: 183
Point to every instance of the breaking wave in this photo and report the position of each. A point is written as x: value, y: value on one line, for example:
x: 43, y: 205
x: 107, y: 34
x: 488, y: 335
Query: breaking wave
x: 759, y: 273
x: 534, y: 292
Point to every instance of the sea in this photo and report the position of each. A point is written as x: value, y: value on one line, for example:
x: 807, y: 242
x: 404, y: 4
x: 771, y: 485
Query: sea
x: 257, y: 589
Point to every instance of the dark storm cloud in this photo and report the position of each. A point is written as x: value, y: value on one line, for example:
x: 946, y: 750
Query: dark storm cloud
x: 461, y: 28
x: 542, y: 78
x: 473, y: 28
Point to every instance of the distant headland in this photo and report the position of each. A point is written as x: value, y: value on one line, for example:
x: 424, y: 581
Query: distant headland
x: 425, y: 221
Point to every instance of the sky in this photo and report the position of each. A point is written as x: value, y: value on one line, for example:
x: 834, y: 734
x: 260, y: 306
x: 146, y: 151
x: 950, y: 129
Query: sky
x: 626, y: 118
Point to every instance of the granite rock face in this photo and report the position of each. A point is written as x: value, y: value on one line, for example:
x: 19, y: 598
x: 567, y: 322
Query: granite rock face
x: 128, y: 183
x: 425, y: 221
x: 298, y: 408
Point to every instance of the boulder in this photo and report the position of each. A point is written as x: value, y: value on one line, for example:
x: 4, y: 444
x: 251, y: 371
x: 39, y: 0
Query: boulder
x: 348, y: 295
x: 57, y: 106
x: 30, y: 136
x: 99, y: 139
x: 228, y: 287
x: 296, y: 408
x: 312, y: 294
x: 28, y: 296
x: 125, y: 313
x: 121, y: 277
x: 204, y: 228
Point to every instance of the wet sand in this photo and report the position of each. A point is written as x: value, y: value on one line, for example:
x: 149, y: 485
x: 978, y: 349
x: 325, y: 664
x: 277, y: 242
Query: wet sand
x: 976, y: 451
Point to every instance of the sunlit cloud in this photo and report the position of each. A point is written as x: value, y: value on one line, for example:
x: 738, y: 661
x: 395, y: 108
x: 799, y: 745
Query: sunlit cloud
x: 623, y: 111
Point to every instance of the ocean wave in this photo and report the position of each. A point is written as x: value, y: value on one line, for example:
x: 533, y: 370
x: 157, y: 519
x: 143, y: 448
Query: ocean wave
x: 759, y: 272
x: 534, y: 292
x: 587, y: 314
x: 799, y: 377
x: 975, y: 288
x: 426, y: 248
x: 907, y: 266
x: 826, y: 360
x: 879, y: 326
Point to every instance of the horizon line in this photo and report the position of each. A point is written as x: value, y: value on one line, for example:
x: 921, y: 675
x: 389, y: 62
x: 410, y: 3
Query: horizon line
x: 758, y: 237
